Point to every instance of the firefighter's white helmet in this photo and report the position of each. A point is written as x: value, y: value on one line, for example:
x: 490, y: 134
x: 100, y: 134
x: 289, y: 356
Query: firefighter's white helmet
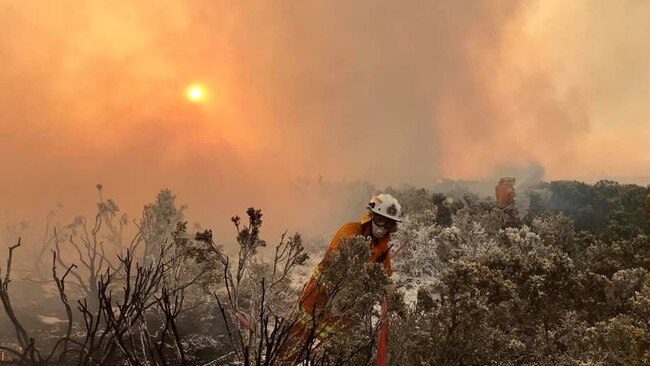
x: 386, y: 205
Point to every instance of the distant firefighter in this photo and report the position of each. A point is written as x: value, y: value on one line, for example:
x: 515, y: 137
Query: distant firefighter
x: 647, y: 201
x: 505, y: 192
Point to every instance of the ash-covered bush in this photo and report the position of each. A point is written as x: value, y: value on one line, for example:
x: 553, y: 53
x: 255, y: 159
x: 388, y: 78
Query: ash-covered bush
x: 545, y: 293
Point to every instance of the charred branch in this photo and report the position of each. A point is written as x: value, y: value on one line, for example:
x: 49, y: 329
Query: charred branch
x: 21, y: 335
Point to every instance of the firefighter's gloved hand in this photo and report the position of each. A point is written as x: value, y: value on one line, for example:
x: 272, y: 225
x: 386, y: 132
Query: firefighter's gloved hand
x: 390, y: 288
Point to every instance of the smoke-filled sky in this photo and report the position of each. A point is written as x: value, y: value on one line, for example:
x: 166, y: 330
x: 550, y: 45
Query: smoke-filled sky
x: 388, y: 92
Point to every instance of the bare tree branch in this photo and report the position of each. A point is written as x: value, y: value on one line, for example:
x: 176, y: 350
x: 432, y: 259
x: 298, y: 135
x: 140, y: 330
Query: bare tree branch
x: 21, y: 334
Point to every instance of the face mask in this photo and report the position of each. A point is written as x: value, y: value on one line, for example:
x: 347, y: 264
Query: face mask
x: 378, y: 231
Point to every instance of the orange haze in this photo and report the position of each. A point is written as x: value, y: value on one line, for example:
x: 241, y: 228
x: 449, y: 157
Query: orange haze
x: 388, y: 92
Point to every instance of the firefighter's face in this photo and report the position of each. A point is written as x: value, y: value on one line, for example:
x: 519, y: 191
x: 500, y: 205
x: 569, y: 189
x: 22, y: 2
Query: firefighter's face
x: 384, y: 222
x: 381, y: 225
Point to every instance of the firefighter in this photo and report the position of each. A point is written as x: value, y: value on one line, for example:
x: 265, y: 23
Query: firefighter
x: 505, y: 192
x: 384, y: 213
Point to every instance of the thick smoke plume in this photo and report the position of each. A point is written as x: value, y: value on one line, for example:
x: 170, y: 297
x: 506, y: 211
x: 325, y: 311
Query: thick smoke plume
x: 388, y: 93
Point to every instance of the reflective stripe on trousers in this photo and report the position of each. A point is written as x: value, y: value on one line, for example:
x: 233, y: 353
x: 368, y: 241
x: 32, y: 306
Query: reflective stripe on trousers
x: 321, y: 331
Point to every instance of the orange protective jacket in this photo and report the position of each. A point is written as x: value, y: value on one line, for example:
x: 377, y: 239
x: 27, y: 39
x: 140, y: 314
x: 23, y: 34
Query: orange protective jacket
x: 314, y: 294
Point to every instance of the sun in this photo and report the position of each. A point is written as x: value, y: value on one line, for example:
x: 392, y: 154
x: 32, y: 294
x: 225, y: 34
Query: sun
x: 195, y: 93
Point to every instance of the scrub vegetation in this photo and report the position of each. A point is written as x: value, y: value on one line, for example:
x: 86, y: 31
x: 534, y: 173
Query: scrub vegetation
x: 561, y: 280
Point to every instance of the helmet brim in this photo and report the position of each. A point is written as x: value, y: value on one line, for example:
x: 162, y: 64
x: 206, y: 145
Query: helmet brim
x: 375, y: 211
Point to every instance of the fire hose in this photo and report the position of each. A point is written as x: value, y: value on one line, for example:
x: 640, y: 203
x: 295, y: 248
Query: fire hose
x: 382, y: 343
